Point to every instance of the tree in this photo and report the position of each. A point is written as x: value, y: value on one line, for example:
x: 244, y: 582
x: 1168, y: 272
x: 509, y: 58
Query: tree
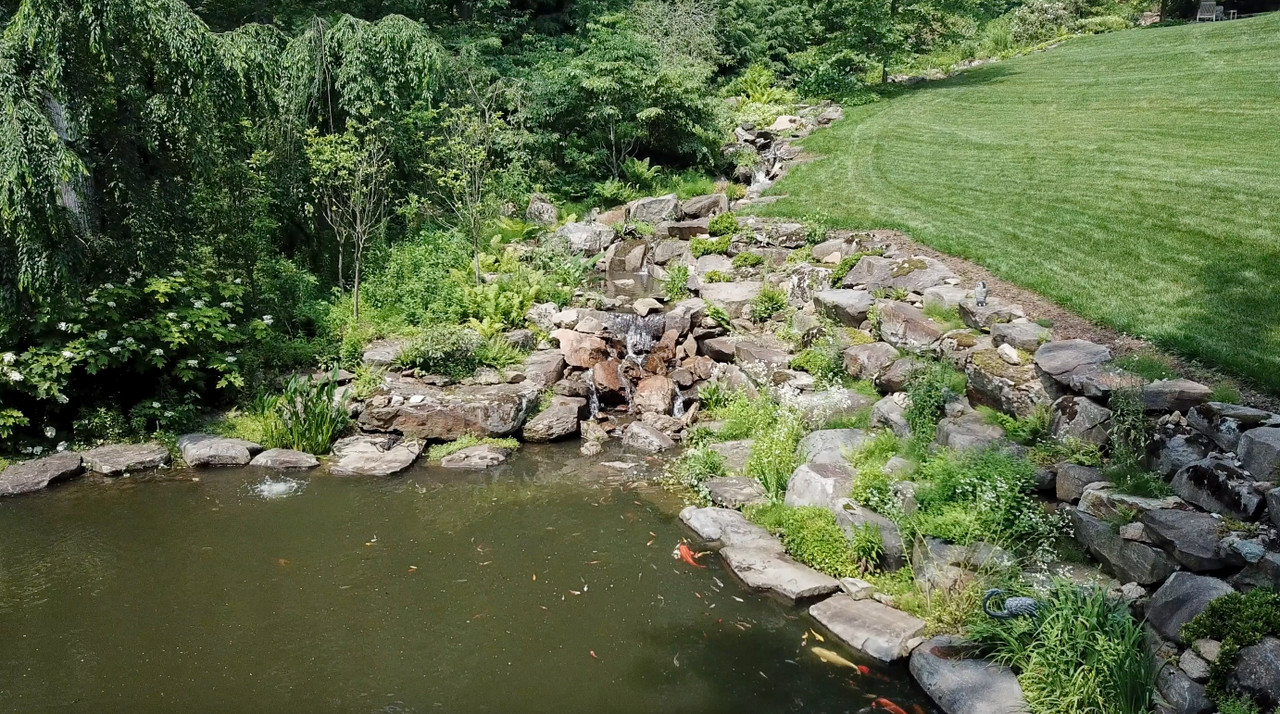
x: 351, y: 177
x: 889, y: 30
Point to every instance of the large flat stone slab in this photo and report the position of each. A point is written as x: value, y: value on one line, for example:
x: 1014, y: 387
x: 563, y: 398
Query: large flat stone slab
x: 373, y: 455
x: 119, y: 459
x: 770, y: 570
x: 36, y: 474
x: 200, y: 450
x: 421, y: 411
x: 285, y: 460
x: 961, y: 684
x: 727, y: 527
x: 822, y: 485
x: 869, y: 626
x: 735, y: 491
x: 831, y: 446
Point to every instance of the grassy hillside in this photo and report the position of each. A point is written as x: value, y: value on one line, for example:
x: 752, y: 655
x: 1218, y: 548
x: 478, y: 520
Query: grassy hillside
x: 1132, y: 177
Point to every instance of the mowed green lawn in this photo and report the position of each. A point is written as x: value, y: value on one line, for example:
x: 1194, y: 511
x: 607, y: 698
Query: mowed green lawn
x: 1132, y: 177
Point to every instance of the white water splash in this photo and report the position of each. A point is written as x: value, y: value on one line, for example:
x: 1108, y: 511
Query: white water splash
x: 270, y: 489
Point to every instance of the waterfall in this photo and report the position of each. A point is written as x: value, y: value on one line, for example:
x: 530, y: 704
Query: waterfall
x: 639, y: 334
x: 593, y: 394
x: 677, y: 408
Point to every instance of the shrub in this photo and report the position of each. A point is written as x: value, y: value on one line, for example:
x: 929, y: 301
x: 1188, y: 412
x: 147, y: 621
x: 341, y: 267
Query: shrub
x: 768, y: 303
x: 412, y: 282
x: 1134, y: 480
x: 1028, y: 431
x: 695, y: 465
x: 1070, y: 450
x: 717, y: 276
x: 305, y: 416
x: 1236, y: 620
x: 1083, y: 652
x: 773, y: 453
x: 676, y: 285
x: 709, y: 246
x: 724, y: 224
x: 930, y: 386
x: 824, y: 360
x: 747, y: 259
x: 811, y: 535
x: 872, y: 487
x: 498, y: 352
x: 443, y: 349
x: 717, y: 313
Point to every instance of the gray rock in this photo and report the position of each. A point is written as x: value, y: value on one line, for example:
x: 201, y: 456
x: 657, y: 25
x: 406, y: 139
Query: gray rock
x: 1061, y: 358
x: 687, y: 229
x: 118, y: 459
x: 806, y: 282
x: 1180, y: 692
x: 1193, y: 666
x: 1072, y: 479
x: 868, y: 626
x: 993, y: 382
x: 373, y: 455
x: 731, y: 297
x: 1263, y: 574
x: 728, y: 527
x: 209, y: 450
x: 962, y: 683
x: 713, y: 263
x: 735, y: 453
x: 1181, y: 451
x: 671, y: 250
x: 1101, y: 381
x: 823, y: 485
x: 552, y: 423
x: 1260, y: 453
x: 1273, y: 505
x: 1257, y: 672
x: 643, y: 437
x: 481, y: 456
x: 851, y: 517
x: 541, y: 315
x: 944, y: 566
x: 720, y: 349
x: 588, y: 238
x: 1224, y: 423
x: 769, y: 570
x: 752, y: 352
x: 847, y: 307
x: 894, y: 377
x: 654, y: 210
x: 1080, y: 418
x: 1181, y: 598
x: 831, y: 446
x: 543, y: 368
x: 1128, y: 560
x: 421, y: 411
x: 735, y: 491
x: 865, y: 361
x: 945, y: 296
x: 705, y: 206
x: 1025, y: 336
x: 1191, y: 537
x: 1216, y: 484
x: 915, y: 274
x: 968, y: 432
x: 1170, y: 395
x: 890, y: 414
x: 1101, y: 500
x: 907, y: 328
x: 541, y: 211
x: 817, y: 408
x: 981, y: 317
x: 33, y: 475
x: 285, y: 460
x: 383, y: 353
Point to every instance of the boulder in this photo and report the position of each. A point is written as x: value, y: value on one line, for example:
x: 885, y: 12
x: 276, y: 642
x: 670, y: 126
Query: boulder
x: 967, y: 432
x: 543, y: 368
x: 769, y: 570
x: 208, y: 450
x: 552, y: 423
x: 581, y: 350
x: 1216, y: 484
x: 1191, y: 537
x: 1128, y: 560
x: 946, y: 297
x: 731, y: 297
x: 734, y: 453
x: 1174, y: 395
x: 628, y: 256
x: 851, y: 517
x: 669, y: 251
x: 119, y: 459
x: 1257, y: 672
x: 753, y: 352
x: 541, y: 316
x: 947, y: 567
x: 865, y: 361
x: 831, y: 446
x: 728, y: 528
x: 33, y: 475
x: 1181, y: 598
x: 1101, y: 381
x: 705, y: 206
x: 1180, y: 451
x: 522, y: 339
x: 1025, y: 336
x: 654, y: 395
x: 982, y: 317
x: 869, y: 626
x: 588, y: 238
x: 914, y: 274
x: 541, y: 211
x: 1072, y: 480
x: 907, y: 328
x: 846, y: 307
x: 993, y: 382
x: 1182, y: 694
x: 1101, y: 500
x: 1260, y: 453
x: 1273, y: 506
x: 962, y: 683
x: 684, y: 315
x: 285, y: 460
x: 481, y: 456
x: 891, y: 414
x: 894, y: 378
x: 1080, y: 418
x: 373, y: 455
x: 1263, y: 574
x: 688, y: 228
x: 421, y: 411
x: 735, y: 491
x: 1224, y: 423
x: 1061, y: 358
x: 805, y: 282
x: 654, y: 210
x: 383, y: 353
x: 823, y: 485
x: 643, y: 437
x: 713, y: 263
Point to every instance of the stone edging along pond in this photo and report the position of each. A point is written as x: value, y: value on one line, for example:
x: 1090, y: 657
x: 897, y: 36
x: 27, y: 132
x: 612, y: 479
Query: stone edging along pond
x: 625, y: 364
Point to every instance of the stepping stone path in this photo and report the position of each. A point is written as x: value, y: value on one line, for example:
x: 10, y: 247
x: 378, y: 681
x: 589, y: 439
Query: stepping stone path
x: 200, y: 450
x: 285, y: 460
x: 869, y: 626
x: 36, y: 474
x: 119, y: 459
x: 373, y: 455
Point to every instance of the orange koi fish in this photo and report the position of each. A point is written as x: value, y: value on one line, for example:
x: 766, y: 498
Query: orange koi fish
x: 888, y: 706
x: 684, y: 553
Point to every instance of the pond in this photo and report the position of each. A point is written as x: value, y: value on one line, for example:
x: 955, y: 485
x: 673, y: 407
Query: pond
x: 546, y: 586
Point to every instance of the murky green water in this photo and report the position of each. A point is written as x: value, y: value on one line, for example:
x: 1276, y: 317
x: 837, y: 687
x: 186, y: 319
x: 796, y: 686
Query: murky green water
x: 542, y: 587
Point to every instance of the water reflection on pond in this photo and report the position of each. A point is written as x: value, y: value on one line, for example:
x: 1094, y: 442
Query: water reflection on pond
x: 546, y: 586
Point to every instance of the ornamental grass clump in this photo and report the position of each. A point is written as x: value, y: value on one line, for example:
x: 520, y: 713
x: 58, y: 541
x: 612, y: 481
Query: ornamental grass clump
x: 1083, y: 652
x: 811, y: 535
x: 306, y: 416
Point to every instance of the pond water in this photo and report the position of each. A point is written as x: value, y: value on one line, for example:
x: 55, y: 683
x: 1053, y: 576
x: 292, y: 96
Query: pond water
x: 545, y: 586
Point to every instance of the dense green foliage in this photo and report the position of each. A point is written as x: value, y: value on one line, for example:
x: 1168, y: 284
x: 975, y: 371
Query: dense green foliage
x: 1151, y: 220
x: 811, y: 535
x: 1236, y: 620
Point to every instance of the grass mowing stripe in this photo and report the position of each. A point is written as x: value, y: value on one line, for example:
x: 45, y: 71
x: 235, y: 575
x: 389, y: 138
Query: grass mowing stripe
x: 1133, y: 177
